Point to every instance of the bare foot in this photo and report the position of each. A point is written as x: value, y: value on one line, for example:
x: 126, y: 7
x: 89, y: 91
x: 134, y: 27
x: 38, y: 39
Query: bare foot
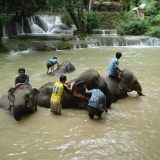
x: 8, y: 108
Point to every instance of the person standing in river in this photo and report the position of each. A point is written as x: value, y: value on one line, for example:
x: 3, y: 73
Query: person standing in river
x: 113, y: 69
x: 50, y: 65
x: 57, y: 94
x: 97, y: 102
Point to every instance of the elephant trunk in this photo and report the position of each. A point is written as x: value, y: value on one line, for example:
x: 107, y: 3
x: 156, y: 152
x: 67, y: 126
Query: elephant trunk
x: 140, y: 93
x: 17, y: 112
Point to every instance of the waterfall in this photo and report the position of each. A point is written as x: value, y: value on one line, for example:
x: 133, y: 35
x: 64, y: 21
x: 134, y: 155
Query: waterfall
x: 38, y: 24
x: 111, y: 38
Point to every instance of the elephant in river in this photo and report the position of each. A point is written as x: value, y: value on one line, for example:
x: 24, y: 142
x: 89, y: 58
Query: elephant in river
x: 65, y: 67
x: 76, y: 99
x: 23, y: 100
x: 127, y: 83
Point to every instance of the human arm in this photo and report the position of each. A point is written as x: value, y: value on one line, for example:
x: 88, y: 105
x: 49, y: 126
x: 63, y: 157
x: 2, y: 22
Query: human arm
x: 58, y: 66
x: 105, y: 109
x: 119, y: 70
x: 19, y: 81
x: 86, y: 89
x: 116, y: 66
x: 71, y: 86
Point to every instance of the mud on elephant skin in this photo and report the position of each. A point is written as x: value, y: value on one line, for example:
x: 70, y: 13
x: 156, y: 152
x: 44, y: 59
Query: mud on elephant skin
x: 76, y: 99
x: 128, y: 83
x: 22, y: 100
x: 65, y: 67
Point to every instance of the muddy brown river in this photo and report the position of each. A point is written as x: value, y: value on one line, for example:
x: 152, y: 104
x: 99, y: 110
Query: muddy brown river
x: 129, y: 131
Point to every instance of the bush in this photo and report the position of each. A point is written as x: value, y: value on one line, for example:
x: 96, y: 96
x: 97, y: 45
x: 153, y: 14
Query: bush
x: 153, y: 32
x: 134, y: 27
x: 152, y: 8
x: 154, y: 20
x: 92, y: 22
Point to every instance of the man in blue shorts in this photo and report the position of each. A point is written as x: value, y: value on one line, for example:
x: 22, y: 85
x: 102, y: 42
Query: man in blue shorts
x: 97, y: 102
x: 113, y: 70
x: 50, y: 65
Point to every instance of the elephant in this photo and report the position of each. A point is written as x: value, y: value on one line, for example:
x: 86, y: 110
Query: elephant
x: 65, y: 67
x: 23, y: 100
x: 127, y: 83
x: 76, y: 99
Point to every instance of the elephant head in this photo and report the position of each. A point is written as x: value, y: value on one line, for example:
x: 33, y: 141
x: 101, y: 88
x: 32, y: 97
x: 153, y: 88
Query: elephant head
x: 23, y: 99
x: 127, y: 83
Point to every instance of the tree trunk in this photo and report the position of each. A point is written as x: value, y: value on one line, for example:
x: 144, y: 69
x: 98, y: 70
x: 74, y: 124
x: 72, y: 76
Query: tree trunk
x: 1, y: 35
x: 2, y: 48
x: 74, y: 19
x: 90, y: 5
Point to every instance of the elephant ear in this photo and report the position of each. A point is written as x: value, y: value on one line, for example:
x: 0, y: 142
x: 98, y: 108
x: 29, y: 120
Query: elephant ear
x: 123, y: 85
x: 11, y: 96
x: 79, y: 90
x: 35, y: 92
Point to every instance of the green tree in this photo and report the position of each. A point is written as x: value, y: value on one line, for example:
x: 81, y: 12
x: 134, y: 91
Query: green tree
x: 75, y: 10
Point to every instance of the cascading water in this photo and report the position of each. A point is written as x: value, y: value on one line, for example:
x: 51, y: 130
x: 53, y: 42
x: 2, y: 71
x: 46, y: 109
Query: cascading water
x: 49, y: 33
x: 111, y: 38
x: 44, y: 24
x: 38, y: 24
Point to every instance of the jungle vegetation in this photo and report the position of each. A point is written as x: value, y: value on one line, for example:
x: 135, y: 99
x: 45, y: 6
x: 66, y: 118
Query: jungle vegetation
x: 80, y: 13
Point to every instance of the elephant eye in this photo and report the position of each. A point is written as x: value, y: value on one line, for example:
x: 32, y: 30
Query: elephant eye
x: 26, y: 96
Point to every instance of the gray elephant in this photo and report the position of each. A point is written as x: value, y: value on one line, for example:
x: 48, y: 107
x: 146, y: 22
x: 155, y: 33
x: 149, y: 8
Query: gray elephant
x: 76, y: 99
x: 23, y: 100
x: 65, y: 67
x: 127, y: 83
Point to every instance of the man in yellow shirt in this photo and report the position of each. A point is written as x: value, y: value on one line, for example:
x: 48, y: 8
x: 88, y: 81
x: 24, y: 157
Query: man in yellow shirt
x: 57, y: 94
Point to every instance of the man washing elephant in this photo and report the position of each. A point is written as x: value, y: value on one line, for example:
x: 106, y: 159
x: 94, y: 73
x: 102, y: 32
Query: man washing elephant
x: 50, y: 65
x: 57, y: 94
x: 97, y: 102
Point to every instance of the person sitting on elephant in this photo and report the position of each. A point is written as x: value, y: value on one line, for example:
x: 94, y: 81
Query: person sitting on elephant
x: 50, y: 65
x: 113, y: 70
x: 21, y: 79
x: 97, y: 102
x: 57, y: 94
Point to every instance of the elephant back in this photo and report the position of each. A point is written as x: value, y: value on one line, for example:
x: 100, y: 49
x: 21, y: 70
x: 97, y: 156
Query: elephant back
x: 44, y: 96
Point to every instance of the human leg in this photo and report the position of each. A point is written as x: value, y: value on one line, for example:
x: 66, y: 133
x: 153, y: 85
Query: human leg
x: 59, y: 108
x: 52, y: 70
x: 97, y: 112
x: 90, y: 112
x: 51, y: 106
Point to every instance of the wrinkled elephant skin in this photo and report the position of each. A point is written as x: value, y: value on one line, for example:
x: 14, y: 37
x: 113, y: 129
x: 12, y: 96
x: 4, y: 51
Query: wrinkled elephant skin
x: 44, y: 96
x: 76, y: 99
x: 23, y: 100
x: 65, y: 67
x: 127, y: 83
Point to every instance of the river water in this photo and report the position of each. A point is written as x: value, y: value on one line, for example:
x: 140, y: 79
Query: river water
x: 130, y: 130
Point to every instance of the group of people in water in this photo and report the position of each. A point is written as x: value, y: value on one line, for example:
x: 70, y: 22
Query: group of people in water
x: 97, y: 102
